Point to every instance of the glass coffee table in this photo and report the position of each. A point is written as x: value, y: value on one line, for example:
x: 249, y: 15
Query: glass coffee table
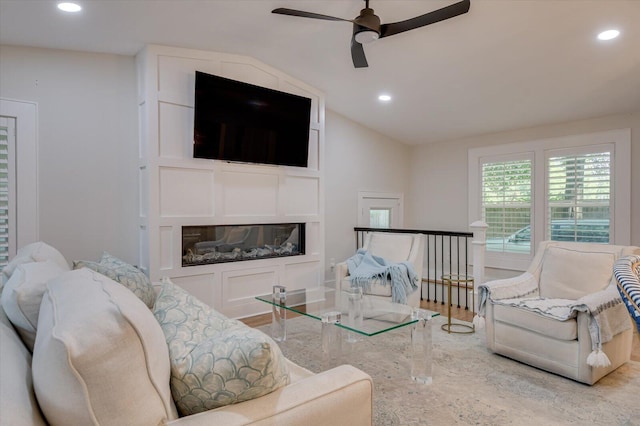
x: 358, y: 316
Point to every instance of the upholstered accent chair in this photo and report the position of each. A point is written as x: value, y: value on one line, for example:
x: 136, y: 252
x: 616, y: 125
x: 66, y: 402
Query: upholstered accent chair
x: 563, y: 314
x: 394, y: 247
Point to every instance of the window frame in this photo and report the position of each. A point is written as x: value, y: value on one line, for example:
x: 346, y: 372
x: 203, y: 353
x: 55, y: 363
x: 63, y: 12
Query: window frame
x: 620, y: 142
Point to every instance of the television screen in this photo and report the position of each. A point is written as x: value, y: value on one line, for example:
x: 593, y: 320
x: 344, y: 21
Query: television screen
x: 241, y: 122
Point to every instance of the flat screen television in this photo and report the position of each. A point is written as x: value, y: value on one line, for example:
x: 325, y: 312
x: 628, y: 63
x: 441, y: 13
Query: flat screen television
x: 241, y: 122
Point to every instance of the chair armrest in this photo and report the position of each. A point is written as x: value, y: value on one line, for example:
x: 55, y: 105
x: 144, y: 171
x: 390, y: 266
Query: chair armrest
x: 521, y: 286
x: 342, y: 272
x: 342, y: 395
x: 611, y: 311
x: 524, y: 285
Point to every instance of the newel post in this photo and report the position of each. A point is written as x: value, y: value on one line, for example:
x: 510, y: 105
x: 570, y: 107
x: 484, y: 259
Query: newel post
x: 479, y: 229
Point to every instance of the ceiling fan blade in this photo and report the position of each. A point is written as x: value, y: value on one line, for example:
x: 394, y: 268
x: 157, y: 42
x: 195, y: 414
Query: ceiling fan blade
x: 357, y: 54
x: 300, y: 13
x: 447, y: 12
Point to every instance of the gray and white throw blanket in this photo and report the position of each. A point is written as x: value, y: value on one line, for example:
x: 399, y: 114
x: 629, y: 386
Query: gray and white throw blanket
x: 608, y: 316
x: 364, y: 268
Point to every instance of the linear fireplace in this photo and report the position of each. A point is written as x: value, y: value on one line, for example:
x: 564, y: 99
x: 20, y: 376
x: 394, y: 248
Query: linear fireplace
x: 231, y: 243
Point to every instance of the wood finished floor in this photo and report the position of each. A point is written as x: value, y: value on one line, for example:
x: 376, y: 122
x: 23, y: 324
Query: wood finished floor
x: 457, y: 313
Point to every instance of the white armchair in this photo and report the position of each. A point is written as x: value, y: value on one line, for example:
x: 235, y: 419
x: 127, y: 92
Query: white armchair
x: 392, y: 247
x: 564, y: 314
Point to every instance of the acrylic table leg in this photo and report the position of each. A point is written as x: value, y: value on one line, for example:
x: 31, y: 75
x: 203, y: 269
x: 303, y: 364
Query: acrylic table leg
x: 279, y: 314
x: 331, y: 337
x: 421, y: 351
x: 278, y: 323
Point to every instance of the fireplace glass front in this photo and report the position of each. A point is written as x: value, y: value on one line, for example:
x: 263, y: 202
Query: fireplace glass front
x: 231, y: 243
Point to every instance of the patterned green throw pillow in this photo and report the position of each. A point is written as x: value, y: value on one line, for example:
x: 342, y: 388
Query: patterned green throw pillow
x: 215, y: 361
x: 127, y: 275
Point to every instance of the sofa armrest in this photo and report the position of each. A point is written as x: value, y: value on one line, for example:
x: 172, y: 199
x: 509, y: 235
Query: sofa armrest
x: 342, y: 395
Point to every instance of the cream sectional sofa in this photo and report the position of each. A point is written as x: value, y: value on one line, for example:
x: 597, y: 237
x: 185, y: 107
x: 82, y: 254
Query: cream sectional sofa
x: 80, y: 348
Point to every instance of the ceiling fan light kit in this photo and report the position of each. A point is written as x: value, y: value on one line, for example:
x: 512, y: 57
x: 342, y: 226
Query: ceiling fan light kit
x: 367, y: 27
x: 366, y: 36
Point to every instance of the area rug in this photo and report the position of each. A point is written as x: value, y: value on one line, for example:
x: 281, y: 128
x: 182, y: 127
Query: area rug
x: 471, y: 386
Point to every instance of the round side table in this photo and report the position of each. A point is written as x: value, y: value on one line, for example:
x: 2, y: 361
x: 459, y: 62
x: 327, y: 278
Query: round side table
x: 450, y: 280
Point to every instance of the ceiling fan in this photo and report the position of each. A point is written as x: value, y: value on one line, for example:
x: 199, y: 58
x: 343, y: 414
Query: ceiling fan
x: 367, y: 27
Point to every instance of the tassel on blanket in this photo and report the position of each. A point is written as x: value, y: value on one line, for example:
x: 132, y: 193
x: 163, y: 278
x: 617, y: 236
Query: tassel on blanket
x: 478, y: 322
x: 597, y: 358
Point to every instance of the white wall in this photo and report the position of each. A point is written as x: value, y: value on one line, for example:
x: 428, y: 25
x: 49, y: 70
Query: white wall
x: 439, y: 196
x: 357, y: 159
x: 87, y: 124
x: 88, y: 158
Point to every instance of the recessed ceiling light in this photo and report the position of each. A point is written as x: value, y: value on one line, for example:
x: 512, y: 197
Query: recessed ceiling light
x: 69, y: 7
x: 384, y: 98
x: 608, y: 35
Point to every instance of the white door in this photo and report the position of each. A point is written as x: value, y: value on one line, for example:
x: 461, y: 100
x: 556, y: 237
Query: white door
x: 379, y: 210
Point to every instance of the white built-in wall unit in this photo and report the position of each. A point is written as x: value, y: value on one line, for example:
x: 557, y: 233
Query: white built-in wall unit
x: 178, y: 190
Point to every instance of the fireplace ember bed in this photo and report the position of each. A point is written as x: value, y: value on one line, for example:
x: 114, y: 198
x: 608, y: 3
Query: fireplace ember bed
x: 209, y: 244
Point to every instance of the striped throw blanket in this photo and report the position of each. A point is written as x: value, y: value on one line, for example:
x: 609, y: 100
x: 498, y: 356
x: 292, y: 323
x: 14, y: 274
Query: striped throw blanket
x: 627, y: 272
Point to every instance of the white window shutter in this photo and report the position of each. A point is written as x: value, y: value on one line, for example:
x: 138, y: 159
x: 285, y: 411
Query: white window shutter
x: 506, y: 205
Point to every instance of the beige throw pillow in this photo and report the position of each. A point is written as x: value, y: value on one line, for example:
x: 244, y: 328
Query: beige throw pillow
x: 22, y: 295
x: 100, y: 355
x: 571, y: 274
x: 34, y: 252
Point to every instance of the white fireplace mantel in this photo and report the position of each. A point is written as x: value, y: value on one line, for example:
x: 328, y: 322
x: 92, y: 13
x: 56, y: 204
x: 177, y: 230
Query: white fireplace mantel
x: 178, y: 190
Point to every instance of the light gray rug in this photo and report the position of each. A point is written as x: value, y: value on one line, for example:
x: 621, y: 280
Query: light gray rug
x: 471, y: 386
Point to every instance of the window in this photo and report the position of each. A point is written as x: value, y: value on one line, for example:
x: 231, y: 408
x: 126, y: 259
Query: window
x: 379, y: 218
x: 506, y: 205
x: 578, y: 190
x: 578, y: 195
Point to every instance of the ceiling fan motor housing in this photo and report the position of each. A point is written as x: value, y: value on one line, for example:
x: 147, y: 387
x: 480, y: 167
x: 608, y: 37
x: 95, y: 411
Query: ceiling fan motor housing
x: 367, y: 23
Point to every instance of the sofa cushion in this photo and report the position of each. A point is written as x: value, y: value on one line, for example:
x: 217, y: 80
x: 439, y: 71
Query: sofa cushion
x: 215, y: 361
x: 528, y: 320
x: 127, y: 275
x: 18, y: 405
x: 571, y: 274
x: 100, y: 355
x: 34, y: 252
x: 22, y: 295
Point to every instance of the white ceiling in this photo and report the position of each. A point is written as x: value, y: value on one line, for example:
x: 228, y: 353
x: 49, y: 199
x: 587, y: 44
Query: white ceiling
x: 506, y: 64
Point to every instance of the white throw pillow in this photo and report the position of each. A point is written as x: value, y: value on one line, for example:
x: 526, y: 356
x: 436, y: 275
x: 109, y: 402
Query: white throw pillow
x: 34, y: 252
x: 100, y: 356
x: 571, y: 274
x: 22, y: 295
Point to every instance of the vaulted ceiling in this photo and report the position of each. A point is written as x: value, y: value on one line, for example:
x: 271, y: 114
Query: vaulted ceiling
x: 504, y: 65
